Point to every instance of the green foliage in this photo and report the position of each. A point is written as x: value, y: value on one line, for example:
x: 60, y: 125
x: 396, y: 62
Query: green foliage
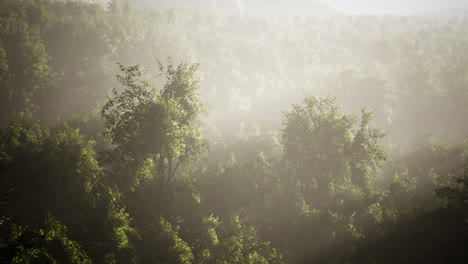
x: 436, y: 235
x: 136, y: 194
x: 179, y: 251
x: 234, y: 242
x: 49, y: 244
x: 456, y: 196
x: 161, y: 127
x: 322, y: 148
x: 25, y: 69
x: 367, y: 151
x: 56, y: 171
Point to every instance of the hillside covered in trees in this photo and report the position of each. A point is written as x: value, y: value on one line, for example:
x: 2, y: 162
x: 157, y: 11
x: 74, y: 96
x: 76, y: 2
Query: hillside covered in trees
x: 151, y: 134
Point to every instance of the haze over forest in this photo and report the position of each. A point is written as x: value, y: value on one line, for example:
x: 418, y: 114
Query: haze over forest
x: 315, y: 7
x: 233, y: 131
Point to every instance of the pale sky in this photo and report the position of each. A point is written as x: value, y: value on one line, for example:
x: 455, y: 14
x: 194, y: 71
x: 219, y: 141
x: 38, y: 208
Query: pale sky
x: 393, y: 6
x: 347, y: 6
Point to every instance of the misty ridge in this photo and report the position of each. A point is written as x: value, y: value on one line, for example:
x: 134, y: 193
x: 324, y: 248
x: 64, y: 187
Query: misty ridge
x: 243, y: 131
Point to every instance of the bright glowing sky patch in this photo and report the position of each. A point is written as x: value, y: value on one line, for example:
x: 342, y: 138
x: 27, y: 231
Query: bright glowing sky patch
x: 393, y: 6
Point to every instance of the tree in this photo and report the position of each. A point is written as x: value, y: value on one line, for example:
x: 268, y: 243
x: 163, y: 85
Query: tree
x: 159, y: 129
x: 54, y: 173
x: 25, y: 70
x: 321, y: 147
x: 49, y: 244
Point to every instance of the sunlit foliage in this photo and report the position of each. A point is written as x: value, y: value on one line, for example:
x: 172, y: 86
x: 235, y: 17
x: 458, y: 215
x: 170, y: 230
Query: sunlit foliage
x: 232, y: 151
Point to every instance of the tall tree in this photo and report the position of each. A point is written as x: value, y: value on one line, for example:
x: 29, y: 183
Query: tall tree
x: 322, y: 147
x: 54, y: 174
x: 156, y: 128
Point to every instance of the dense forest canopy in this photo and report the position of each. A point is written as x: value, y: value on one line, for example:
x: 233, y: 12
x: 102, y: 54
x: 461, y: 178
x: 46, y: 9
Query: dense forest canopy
x: 158, y: 134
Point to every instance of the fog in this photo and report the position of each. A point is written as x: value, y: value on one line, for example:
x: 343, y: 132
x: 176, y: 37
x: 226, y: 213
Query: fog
x: 394, y: 7
x: 310, y: 7
x: 233, y: 131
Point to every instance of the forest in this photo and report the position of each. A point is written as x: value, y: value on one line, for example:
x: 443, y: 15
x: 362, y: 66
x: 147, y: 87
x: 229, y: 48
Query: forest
x: 151, y: 134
